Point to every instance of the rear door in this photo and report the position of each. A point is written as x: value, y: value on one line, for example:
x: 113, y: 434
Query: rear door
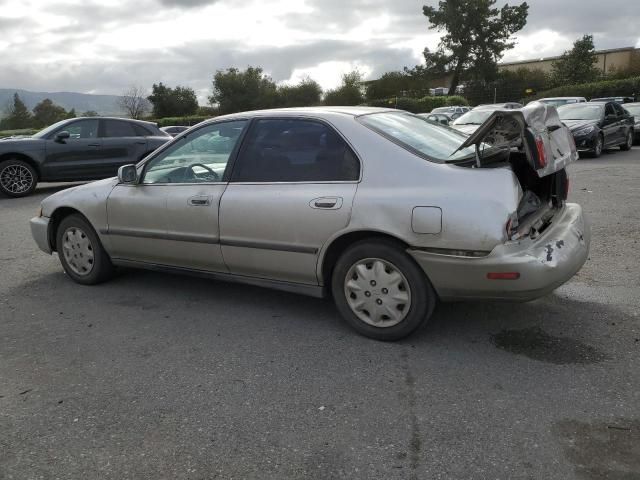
x: 77, y: 157
x: 171, y: 216
x: 291, y: 189
x: 122, y: 143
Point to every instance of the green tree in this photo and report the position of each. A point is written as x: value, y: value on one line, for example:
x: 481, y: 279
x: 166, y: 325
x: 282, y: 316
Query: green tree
x: 71, y: 113
x: 235, y: 90
x: 348, y: 93
x: 89, y: 113
x: 173, y: 102
x: 46, y: 113
x: 306, y: 93
x: 477, y: 34
x: 577, y: 65
x: 17, y: 115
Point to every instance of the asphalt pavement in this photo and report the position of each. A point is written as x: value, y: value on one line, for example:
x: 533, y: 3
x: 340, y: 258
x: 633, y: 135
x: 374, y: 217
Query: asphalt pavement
x: 158, y: 376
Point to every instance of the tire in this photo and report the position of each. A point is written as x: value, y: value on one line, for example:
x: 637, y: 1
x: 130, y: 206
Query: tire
x: 626, y: 146
x: 17, y: 178
x: 598, y: 147
x: 377, y: 279
x: 81, y: 253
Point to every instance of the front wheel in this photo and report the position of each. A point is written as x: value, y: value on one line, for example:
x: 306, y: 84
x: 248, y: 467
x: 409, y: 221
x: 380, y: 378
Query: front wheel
x: 380, y: 291
x: 17, y: 178
x: 598, y: 147
x: 81, y: 253
x: 628, y: 143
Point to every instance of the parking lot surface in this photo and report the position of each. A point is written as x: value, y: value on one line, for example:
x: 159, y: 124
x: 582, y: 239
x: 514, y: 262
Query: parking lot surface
x: 159, y: 376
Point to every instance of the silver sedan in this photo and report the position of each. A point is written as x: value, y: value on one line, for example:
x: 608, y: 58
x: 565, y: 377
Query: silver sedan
x: 380, y: 209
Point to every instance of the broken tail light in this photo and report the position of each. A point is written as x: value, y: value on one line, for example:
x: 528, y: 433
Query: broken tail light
x: 542, y: 156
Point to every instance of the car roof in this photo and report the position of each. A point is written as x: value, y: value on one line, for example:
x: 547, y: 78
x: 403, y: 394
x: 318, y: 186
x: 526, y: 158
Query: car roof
x: 141, y: 122
x: 557, y: 98
x: 310, y: 111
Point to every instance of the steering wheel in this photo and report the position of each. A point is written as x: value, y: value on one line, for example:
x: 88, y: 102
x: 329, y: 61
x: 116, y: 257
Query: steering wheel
x: 210, y: 172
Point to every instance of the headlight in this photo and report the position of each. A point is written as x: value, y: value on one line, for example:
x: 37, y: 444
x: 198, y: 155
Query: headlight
x: 584, y: 130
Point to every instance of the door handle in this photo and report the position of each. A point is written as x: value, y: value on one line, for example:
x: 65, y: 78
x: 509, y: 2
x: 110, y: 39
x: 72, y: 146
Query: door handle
x: 94, y: 145
x: 141, y: 143
x: 199, y: 201
x: 326, y: 203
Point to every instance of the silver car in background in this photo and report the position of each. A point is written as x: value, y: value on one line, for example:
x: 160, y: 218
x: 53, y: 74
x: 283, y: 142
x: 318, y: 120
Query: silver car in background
x: 380, y: 209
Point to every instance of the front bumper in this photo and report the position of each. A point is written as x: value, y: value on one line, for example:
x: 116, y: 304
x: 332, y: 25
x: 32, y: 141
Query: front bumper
x: 40, y: 233
x: 585, y: 143
x: 544, y: 263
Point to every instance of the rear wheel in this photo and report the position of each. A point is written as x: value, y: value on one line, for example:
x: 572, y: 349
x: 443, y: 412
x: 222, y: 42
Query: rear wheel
x: 81, y: 253
x: 380, y: 291
x: 17, y: 178
x: 598, y: 147
x: 628, y: 142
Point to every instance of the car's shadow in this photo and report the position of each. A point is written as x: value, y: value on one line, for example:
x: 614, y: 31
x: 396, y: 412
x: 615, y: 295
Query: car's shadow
x: 215, y: 307
x: 42, y: 190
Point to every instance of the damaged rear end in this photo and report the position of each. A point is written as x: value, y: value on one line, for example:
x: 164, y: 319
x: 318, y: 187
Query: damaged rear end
x: 538, y: 147
x: 546, y: 240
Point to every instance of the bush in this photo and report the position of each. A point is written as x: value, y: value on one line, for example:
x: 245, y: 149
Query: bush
x: 419, y: 105
x: 182, y: 121
x: 24, y: 131
x: 606, y: 88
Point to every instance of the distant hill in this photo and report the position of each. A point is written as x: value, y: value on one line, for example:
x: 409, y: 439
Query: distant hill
x: 82, y: 102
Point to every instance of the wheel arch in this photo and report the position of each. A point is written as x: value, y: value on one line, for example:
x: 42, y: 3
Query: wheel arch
x: 57, y: 216
x: 25, y: 158
x: 329, y: 256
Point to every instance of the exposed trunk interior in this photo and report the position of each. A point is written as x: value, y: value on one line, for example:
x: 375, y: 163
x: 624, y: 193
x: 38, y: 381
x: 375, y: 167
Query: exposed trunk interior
x: 541, y: 198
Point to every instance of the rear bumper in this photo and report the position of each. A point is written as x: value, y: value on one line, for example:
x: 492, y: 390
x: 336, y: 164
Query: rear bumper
x: 40, y: 233
x: 543, y: 264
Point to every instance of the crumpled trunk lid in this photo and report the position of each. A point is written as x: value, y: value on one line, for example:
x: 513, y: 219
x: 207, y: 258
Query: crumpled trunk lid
x: 536, y: 129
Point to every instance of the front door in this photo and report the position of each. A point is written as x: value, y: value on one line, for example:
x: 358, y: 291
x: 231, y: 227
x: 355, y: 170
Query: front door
x: 76, y: 157
x: 292, y: 188
x: 611, y: 128
x: 171, y: 216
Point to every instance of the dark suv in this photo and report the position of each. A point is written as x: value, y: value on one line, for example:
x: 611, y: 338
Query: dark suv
x: 75, y: 149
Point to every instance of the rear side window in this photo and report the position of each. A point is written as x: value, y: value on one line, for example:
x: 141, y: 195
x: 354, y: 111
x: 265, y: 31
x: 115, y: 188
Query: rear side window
x: 117, y: 128
x: 619, y: 110
x: 141, y: 131
x: 295, y: 150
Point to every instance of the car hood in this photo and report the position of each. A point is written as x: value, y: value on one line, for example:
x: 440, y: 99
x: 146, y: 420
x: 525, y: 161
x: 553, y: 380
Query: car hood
x: 468, y: 129
x: 578, y: 124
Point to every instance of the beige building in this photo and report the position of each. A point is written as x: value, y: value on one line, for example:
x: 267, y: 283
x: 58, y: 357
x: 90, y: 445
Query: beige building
x: 608, y: 61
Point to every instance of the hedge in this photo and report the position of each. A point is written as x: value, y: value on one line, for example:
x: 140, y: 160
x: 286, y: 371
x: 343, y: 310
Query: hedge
x: 419, y: 105
x: 182, y: 121
x: 23, y: 131
x: 606, y: 88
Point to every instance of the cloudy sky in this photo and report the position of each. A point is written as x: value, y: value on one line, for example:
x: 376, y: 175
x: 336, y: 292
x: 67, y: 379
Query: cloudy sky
x: 104, y: 46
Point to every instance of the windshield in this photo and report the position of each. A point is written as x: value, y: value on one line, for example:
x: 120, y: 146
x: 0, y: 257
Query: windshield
x: 580, y: 112
x: 633, y: 110
x: 416, y: 134
x: 474, y: 117
x: 43, y: 133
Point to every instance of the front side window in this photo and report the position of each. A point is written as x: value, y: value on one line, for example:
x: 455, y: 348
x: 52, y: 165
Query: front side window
x: 82, y: 129
x: 295, y: 150
x: 201, y: 156
x: 118, y: 128
x: 427, y: 139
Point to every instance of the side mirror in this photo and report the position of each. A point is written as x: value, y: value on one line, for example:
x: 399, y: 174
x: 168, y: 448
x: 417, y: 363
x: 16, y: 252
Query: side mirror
x: 63, y: 135
x: 127, y: 174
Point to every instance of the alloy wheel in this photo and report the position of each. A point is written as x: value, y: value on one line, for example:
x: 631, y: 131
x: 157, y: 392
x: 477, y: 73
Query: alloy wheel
x: 377, y: 292
x: 78, y: 251
x: 598, y: 147
x: 16, y: 179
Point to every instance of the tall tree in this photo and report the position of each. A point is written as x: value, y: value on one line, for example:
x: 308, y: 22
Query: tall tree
x: 46, y: 112
x: 173, y: 102
x: 133, y: 103
x: 477, y: 34
x: 577, y: 65
x: 348, y: 93
x: 235, y: 90
x: 306, y: 93
x: 17, y: 114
